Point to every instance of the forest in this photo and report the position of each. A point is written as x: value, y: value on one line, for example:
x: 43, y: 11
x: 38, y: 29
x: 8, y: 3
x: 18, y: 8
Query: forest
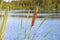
x: 31, y: 4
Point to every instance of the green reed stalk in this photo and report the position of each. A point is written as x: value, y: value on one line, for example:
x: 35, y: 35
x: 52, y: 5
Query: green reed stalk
x: 0, y: 24
x: 21, y: 27
x: 1, y: 8
x: 4, y: 24
x: 25, y: 35
x: 43, y: 22
x: 33, y: 21
x: 51, y: 29
x: 29, y: 36
x: 28, y: 15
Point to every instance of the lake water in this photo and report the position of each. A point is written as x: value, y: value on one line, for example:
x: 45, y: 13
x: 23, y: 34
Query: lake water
x: 13, y: 28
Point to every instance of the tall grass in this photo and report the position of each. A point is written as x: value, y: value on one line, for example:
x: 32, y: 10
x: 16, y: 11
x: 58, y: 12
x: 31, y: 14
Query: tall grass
x: 4, y: 24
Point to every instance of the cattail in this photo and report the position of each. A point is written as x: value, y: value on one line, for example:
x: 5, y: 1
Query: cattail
x: 33, y: 21
x: 34, y: 17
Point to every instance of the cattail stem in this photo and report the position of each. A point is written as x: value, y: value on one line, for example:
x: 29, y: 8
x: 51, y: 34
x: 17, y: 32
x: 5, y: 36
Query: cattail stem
x: 33, y: 21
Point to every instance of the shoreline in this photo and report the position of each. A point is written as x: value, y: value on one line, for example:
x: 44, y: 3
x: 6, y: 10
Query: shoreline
x: 31, y: 11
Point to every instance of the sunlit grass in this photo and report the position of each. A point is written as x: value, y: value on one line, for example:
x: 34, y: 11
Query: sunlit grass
x: 4, y: 24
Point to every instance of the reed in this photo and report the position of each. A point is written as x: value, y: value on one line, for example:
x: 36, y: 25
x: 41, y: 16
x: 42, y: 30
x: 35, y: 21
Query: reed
x: 28, y: 15
x: 21, y: 26
x: 25, y: 35
x: 42, y: 22
x: 33, y: 21
x: 0, y: 10
x: 49, y: 31
x: 34, y: 17
x: 29, y: 36
x: 4, y: 24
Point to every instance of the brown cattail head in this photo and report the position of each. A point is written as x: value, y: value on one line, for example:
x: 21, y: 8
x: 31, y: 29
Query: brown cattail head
x: 34, y: 17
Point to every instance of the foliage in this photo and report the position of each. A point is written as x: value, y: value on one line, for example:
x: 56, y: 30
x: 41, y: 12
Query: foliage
x: 31, y: 4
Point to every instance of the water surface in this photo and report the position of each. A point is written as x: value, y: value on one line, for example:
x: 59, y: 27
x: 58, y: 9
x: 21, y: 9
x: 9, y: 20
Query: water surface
x: 13, y: 28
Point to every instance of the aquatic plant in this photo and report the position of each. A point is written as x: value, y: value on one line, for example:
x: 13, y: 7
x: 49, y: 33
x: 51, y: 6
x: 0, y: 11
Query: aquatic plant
x: 4, y: 25
x: 21, y: 27
x: 28, y: 15
x: 33, y: 21
x: 34, y: 18
x: 49, y: 31
x: 32, y: 24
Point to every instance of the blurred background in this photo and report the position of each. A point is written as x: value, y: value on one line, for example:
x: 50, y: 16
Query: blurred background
x: 31, y: 4
x: 17, y: 16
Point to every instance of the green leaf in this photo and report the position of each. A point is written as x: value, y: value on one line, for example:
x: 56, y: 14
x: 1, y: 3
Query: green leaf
x: 51, y: 29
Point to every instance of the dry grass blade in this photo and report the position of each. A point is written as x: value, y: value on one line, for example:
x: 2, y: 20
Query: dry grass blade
x: 51, y: 29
